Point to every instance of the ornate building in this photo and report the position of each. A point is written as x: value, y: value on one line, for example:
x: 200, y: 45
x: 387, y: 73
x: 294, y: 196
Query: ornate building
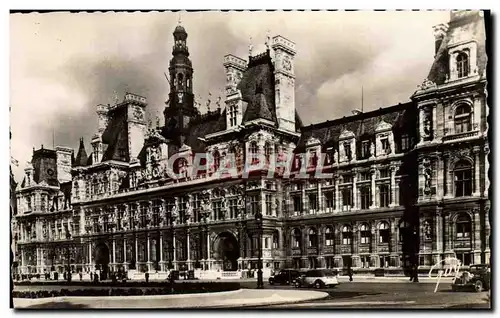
x: 401, y: 182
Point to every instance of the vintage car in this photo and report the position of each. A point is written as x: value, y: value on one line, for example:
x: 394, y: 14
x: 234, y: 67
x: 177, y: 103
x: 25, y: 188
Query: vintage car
x: 317, y: 278
x: 285, y: 276
x: 476, y: 278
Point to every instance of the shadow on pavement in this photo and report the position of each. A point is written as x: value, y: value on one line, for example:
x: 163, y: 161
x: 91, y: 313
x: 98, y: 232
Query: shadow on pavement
x: 348, y: 294
x: 465, y: 306
x: 55, y: 305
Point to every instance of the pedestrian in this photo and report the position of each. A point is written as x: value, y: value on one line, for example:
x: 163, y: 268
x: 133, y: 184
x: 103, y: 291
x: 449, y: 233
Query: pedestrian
x: 349, y: 272
x: 81, y: 275
x: 415, y: 273
x: 91, y: 276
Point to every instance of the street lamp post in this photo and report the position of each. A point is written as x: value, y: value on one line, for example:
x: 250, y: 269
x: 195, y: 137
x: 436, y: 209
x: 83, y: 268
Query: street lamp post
x: 260, y: 282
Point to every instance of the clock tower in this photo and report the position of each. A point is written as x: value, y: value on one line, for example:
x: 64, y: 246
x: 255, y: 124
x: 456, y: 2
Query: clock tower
x: 180, y: 105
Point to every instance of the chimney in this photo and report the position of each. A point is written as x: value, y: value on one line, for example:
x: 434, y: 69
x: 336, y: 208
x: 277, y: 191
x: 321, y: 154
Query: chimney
x: 439, y: 34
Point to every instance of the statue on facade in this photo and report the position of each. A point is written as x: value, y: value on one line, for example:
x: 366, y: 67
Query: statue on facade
x: 372, y: 149
x: 426, y: 123
x: 427, y: 230
x: 427, y: 171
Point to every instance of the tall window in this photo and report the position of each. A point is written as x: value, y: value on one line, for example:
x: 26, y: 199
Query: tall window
x: 297, y: 204
x: 347, y: 150
x: 463, y: 179
x: 216, y: 160
x: 313, y: 237
x: 313, y: 203
x: 384, y: 173
x: 232, y: 115
x: 365, y: 175
x: 386, y: 148
x: 464, y: 227
x: 296, y: 238
x: 462, y: 119
x: 276, y: 239
x: 156, y: 214
x: 233, y: 208
x: 365, y: 193
x: 329, y: 236
x: 346, y: 199
x: 383, y: 232
x: 365, y: 149
x: 254, y: 152
x: 405, y: 142
x: 462, y: 65
x: 268, y: 151
x: 346, y: 235
x: 384, y: 195
x: 330, y: 201
x: 254, y: 204
x: 464, y: 258
x: 269, y: 204
x: 217, y: 210
x: 365, y: 234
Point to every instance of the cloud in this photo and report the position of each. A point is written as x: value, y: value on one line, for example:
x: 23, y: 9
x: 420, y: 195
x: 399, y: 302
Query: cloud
x: 63, y: 65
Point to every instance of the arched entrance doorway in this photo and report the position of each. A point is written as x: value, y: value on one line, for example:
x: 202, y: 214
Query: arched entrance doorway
x: 101, y: 256
x: 227, y: 251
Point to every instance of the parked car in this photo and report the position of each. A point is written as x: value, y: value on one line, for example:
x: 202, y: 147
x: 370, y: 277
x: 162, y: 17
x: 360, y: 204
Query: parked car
x: 318, y: 278
x: 477, y: 278
x: 285, y: 276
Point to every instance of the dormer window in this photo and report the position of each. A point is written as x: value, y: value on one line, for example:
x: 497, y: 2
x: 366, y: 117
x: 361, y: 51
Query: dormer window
x: 462, y: 119
x: 386, y: 148
x: 462, y: 65
x: 365, y: 149
x: 232, y: 115
x: 347, y: 150
x: 254, y: 152
x: 268, y: 151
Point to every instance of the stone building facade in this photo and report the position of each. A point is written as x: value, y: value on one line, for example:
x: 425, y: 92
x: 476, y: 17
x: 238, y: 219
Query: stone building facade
x: 405, y: 183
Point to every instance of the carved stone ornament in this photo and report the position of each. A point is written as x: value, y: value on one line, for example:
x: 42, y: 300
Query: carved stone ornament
x: 427, y: 123
x: 427, y: 84
x: 427, y: 175
x: 427, y: 230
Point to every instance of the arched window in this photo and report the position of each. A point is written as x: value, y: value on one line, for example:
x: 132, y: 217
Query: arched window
x: 296, y: 238
x: 216, y: 160
x: 462, y: 119
x: 383, y: 232
x: 313, y: 237
x: 254, y: 152
x: 95, y: 187
x: 462, y: 65
x: 365, y: 233
x: 329, y: 236
x: 463, y: 179
x: 464, y: 226
x: 346, y: 235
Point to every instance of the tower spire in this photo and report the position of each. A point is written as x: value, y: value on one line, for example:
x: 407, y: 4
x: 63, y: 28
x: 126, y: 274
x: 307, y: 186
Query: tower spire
x: 180, y: 17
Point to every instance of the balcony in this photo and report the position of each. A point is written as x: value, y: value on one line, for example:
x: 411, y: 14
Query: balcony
x: 312, y: 250
x: 464, y: 135
x: 328, y: 249
x: 296, y: 251
x: 462, y: 243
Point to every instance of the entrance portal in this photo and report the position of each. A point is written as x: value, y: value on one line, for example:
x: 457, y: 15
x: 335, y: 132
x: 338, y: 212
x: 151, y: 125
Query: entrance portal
x: 227, y: 251
x: 101, y: 256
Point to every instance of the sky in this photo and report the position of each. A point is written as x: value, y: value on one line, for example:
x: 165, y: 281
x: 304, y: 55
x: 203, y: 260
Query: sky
x: 62, y: 65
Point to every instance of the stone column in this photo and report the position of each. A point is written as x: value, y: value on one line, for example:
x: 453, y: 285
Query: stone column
x: 448, y: 193
x: 393, y: 243
x: 392, y: 201
x: 440, y: 182
x: 114, y: 254
x: 337, y: 206
x: 448, y: 235
x: 175, y: 252
x: 372, y: 188
x: 476, y: 231
x: 438, y: 237
x: 188, y: 243
x: 355, y: 189
x: 486, y: 170
x: 355, y: 245
x: 162, y: 262
x: 125, y: 264
x: 477, y: 171
x: 321, y: 208
x: 149, y: 252
x: 374, y: 261
x: 90, y: 256
x: 305, y: 208
x: 487, y: 233
x: 136, y: 254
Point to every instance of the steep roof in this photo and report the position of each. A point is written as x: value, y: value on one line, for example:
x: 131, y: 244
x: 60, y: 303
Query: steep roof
x: 464, y: 21
x: 257, y: 89
x: 203, y: 125
x: 116, y: 136
x: 81, y: 157
x: 362, y: 125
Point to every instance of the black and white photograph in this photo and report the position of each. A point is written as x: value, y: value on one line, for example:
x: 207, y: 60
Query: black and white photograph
x: 253, y: 160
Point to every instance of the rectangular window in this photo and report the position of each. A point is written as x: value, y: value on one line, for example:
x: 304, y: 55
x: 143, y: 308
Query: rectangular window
x: 365, y: 149
x: 297, y: 205
x: 254, y: 204
x: 405, y: 142
x: 365, y: 176
x: 463, y: 183
x: 385, y: 145
x: 347, y: 150
x: 330, y: 201
x: 464, y: 258
x: 346, y: 199
x: 269, y: 204
x: 365, y: 196
x: 347, y: 178
x: 313, y: 203
x: 266, y: 242
x: 232, y: 115
x: 384, y: 236
x: 217, y: 210
x: 233, y: 208
x: 384, y: 173
x: 384, y: 195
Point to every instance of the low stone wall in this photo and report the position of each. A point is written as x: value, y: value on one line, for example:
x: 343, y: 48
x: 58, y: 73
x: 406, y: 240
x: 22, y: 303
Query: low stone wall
x: 131, y: 289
